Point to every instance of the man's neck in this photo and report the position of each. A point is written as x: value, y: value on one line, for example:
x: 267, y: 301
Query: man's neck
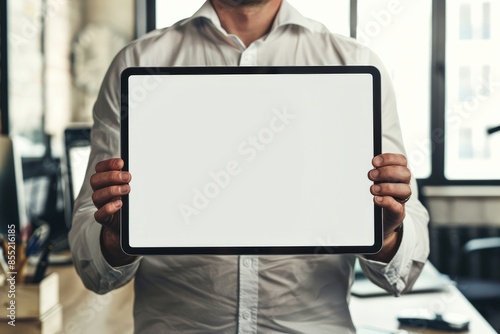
x: 249, y: 22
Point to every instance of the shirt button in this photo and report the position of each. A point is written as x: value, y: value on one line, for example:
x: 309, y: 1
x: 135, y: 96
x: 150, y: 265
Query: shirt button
x: 247, y: 262
x: 246, y: 315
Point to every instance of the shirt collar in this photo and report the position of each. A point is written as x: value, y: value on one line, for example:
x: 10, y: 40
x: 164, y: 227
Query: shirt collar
x: 206, y: 11
x: 287, y: 15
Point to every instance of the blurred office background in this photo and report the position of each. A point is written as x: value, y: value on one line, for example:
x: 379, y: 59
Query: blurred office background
x: 442, y: 55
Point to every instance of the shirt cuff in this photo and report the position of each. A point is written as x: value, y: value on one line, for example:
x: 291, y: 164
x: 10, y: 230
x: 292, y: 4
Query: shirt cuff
x: 395, y: 273
x: 114, y: 276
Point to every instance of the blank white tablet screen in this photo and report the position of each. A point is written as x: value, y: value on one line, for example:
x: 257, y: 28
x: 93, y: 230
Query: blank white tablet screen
x: 250, y: 160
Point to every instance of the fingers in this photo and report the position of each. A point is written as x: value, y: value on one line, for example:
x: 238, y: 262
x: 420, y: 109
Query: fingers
x: 397, y: 174
x: 109, y: 178
x: 110, y: 164
x: 109, y: 184
x: 399, y: 191
x: 108, y: 173
x: 391, y: 177
x: 394, y: 212
x: 390, y: 168
x: 107, y: 214
x: 389, y: 159
x: 391, y: 188
x: 105, y: 195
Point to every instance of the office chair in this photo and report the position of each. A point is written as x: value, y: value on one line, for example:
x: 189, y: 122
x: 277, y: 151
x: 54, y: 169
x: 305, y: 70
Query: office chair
x: 483, y: 293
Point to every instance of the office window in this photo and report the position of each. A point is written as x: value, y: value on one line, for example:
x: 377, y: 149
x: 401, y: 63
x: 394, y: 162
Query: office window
x: 473, y: 106
x: 486, y: 87
x: 486, y: 20
x: 464, y: 83
x: 400, y: 33
x: 334, y: 14
x: 474, y: 19
x: 465, y: 23
x: 466, y: 151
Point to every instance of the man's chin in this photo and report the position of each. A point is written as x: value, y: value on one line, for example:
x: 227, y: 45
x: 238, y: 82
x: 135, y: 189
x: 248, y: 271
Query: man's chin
x: 243, y: 3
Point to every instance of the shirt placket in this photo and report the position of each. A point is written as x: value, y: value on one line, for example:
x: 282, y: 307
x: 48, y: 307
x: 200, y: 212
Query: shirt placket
x: 248, y: 297
x: 248, y: 265
x: 249, y: 55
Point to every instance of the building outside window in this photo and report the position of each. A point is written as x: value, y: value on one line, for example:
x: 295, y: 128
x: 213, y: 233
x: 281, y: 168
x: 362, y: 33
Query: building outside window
x: 472, y: 90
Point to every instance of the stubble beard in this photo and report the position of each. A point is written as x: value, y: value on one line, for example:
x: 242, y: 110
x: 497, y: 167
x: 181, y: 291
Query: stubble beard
x: 243, y: 3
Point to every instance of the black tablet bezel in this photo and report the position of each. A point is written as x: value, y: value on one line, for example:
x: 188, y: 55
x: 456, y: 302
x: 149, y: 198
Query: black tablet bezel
x: 228, y: 70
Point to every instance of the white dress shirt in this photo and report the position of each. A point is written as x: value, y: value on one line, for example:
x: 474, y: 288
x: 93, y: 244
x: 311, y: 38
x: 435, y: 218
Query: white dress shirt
x: 245, y: 294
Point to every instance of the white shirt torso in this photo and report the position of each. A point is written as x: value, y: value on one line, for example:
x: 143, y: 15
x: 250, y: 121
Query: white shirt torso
x: 246, y: 294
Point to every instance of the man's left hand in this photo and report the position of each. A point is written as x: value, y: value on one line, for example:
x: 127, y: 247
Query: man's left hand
x: 391, y: 190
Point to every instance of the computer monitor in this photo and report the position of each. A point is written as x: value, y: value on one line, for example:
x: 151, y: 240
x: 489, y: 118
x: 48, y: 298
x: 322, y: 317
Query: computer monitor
x: 77, y: 152
x: 12, y: 203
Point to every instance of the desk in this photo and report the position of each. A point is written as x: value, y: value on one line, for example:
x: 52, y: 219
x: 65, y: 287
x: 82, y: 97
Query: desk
x: 380, y: 311
x: 85, y: 312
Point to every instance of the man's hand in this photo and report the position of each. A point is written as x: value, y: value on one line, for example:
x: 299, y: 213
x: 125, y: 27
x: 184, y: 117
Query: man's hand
x: 109, y: 183
x: 391, y: 190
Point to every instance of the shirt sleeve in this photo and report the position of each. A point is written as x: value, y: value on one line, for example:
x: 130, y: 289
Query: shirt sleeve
x: 401, y: 272
x: 84, y: 235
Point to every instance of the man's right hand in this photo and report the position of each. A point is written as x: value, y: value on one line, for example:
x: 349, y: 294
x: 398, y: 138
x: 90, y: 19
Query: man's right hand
x: 109, y: 184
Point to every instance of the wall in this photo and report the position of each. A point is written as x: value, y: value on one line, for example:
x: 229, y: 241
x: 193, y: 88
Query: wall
x: 464, y: 206
x: 56, y: 66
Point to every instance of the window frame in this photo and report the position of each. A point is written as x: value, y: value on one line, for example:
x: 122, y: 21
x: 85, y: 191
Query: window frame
x: 145, y: 17
x: 438, y: 105
x: 4, y: 71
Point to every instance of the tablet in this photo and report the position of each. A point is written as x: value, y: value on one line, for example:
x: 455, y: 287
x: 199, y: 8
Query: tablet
x: 250, y: 160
